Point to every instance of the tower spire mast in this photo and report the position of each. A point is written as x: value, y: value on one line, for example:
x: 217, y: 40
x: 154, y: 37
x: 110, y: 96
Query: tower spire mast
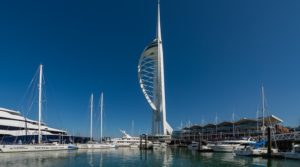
x: 162, y: 108
x: 152, y: 81
x: 158, y: 32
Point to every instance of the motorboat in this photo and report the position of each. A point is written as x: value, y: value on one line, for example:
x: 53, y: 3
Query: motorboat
x: 257, y: 149
x: 294, y: 154
x: 229, y: 145
x: 127, y: 140
x: 159, y: 145
x: 203, y: 147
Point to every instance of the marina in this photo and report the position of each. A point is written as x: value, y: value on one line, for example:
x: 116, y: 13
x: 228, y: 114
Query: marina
x: 215, y: 60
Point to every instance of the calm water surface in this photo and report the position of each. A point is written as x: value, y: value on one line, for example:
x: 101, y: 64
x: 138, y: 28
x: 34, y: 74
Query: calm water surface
x: 134, y: 158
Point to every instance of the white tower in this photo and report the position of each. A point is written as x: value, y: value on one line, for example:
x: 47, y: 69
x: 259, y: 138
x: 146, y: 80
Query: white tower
x: 152, y: 81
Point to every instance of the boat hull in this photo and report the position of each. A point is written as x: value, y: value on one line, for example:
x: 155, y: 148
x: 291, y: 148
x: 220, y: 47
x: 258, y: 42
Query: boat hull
x: 101, y: 146
x: 253, y: 151
x: 224, y: 148
x: 35, y: 148
x: 250, y: 152
x: 292, y: 155
x: 95, y: 146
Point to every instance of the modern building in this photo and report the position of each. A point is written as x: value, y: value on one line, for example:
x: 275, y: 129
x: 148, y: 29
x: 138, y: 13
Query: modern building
x: 230, y: 130
x: 152, y: 82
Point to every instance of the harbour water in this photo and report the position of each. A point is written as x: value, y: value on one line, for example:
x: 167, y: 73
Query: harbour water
x: 134, y: 157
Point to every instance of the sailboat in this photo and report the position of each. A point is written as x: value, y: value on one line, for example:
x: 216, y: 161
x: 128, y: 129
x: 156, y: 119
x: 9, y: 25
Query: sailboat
x: 257, y: 149
x: 91, y: 144
x: 39, y: 146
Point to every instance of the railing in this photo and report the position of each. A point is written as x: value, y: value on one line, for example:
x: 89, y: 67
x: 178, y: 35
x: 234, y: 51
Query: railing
x: 295, y: 136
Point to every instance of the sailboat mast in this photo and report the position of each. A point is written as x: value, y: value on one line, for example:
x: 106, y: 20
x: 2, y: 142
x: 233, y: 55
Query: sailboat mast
x: 101, y: 117
x: 233, y: 131
x: 216, y: 125
x: 91, y: 117
x: 40, y: 104
x: 263, y: 111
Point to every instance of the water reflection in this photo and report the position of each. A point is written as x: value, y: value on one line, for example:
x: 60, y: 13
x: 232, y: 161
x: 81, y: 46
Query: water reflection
x: 134, y: 157
x: 53, y: 158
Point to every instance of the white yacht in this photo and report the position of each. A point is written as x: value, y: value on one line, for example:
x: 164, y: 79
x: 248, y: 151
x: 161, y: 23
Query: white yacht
x: 229, y: 145
x: 204, y: 147
x: 257, y: 149
x: 294, y: 154
x: 12, y: 123
x: 159, y: 145
x: 133, y: 146
x: 35, y: 147
x: 252, y: 151
x: 39, y: 146
x: 127, y: 140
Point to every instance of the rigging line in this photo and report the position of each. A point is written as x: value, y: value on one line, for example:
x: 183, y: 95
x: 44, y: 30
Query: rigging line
x: 45, y: 108
x: 31, y: 95
x: 49, y: 89
x: 32, y: 102
x: 88, y: 118
x: 98, y: 117
x: 32, y: 98
x: 270, y: 122
x: 28, y: 87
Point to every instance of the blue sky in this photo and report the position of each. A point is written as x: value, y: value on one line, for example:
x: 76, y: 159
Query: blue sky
x: 217, y: 55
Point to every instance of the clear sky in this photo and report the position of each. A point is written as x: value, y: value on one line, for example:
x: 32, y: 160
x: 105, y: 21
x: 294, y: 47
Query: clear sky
x: 217, y: 55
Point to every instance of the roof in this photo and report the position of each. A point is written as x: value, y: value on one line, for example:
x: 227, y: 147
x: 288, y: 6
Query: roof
x: 195, y: 127
x: 272, y: 119
x: 226, y: 123
x: 268, y: 120
x: 245, y: 120
x: 209, y: 125
x: 9, y: 111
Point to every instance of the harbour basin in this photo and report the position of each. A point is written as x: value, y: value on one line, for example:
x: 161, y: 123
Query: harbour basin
x: 177, y: 157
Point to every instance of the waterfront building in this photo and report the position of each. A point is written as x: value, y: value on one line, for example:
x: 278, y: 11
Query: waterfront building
x: 152, y: 82
x: 244, y: 127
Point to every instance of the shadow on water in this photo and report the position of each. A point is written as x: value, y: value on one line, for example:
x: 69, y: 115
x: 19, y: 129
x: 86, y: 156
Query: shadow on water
x: 177, y: 157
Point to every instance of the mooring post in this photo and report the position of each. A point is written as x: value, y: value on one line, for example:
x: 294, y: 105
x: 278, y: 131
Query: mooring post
x: 200, y: 142
x: 141, y: 136
x: 146, y: 142
x: 269, y: 142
